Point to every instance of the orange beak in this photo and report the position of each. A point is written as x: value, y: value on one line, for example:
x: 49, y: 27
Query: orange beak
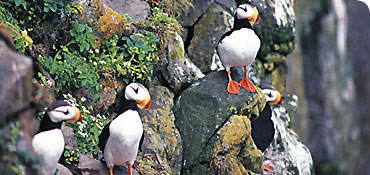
x: 77, y: 117
x: 255, y: 18
x: 147, y: 106
x: 144, y: 104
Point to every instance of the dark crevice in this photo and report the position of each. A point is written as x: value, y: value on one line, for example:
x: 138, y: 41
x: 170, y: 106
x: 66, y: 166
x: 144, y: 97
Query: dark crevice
x: 190, y: 34
x: 215, y: 132
x: 189, y: 37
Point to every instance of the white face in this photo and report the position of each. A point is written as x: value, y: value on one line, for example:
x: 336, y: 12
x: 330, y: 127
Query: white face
x: 270, y: 94
x: 62, y: 113
x: 244, y: 11
x: 136, y: 91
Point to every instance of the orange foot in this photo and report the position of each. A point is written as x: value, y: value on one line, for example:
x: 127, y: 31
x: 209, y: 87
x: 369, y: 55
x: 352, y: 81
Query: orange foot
x: 268, y: 168
x: 248, y: 85
x: 232, y: 87
x: 111, y: 171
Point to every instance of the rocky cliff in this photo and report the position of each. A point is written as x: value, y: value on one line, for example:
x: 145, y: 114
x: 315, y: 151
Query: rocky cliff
x: 194, y: 125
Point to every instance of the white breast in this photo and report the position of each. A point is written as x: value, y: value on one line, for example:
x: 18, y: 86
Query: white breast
x: 49, y: 146
x: 124, y: 136
x: 239, y: 48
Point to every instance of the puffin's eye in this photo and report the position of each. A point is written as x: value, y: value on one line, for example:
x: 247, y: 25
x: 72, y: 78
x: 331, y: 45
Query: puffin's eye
x: 245, y: 8
x: 135, y: 90
x: 270, y: 94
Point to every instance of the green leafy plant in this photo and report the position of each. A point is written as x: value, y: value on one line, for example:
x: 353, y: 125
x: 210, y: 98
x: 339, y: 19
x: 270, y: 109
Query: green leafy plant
x: 162, y: 25
x: 138, y: 56
x: 86, y: 132
x: 172, y: 7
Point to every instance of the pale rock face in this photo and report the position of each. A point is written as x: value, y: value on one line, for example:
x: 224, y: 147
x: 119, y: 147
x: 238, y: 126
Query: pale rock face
x: 287, y: 154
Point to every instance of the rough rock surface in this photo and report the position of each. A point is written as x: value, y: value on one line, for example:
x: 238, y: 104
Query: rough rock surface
x: 204, y: 110
x: 138, y: 10
x: 15, y: 78
x: 62, y: 170
x: 160, y: 133
x: 287, y: 154
x: 18, y: 122
x: 206, y: 34
x: 180, y: 71
x: 89, y: 166
x: 199, y: 7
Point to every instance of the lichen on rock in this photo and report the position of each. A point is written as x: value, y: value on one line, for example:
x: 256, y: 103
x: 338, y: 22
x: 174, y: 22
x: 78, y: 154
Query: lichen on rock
x: 211, y: 120
x: 160, y: 133
x: 104, y: 21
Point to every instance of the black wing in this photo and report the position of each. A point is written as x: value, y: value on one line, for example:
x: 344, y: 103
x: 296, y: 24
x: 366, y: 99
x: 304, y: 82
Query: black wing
x: 103, y: 137
x: 222, y: 37
x: 263, y: 129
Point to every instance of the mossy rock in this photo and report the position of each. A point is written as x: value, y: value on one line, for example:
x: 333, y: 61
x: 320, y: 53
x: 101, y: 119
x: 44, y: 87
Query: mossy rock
x: 160, y: 133
x: 204, y: 110
x: 180, y: 72
x: 207, y: 32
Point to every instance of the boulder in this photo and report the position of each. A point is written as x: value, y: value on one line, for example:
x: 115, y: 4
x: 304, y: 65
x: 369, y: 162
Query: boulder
x: 207, y: 115
x: 199, y: 7
x: 206, y: 34
x: 180, y: 71
x: 160, y: 133
x: 15, y: 78
x: 89, y: 166
x: 138, y: 10
x: 62, y: 170
x: 103, y: 21
x: 18, y: 121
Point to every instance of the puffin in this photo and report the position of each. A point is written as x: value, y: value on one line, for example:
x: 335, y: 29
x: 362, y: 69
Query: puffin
x: 48, y: 142
x: 239, y: 46
x: 120, y: 138
x: 263, y: 129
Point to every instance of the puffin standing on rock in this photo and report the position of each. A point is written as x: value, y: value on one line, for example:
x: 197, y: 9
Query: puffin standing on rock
x: 48, y: 143
x: 239, y: 46
x: 120, y: 138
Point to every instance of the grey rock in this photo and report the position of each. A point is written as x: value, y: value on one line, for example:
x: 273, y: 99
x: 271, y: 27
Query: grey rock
x: 195, y: 12
x: 69, y: 137
x: 160, y: 133
x: 204, y: 108
x: 15, y: 78
x: 207, y: 32
x: 287, y: 154
x: 200, y: 6
x: 138, y: 10
x: 180, y: 71
x: 62, y: 170
x: 18, y: 121
x: 89, y: 166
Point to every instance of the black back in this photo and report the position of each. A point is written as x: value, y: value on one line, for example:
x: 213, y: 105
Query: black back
x: 263, y: 129
x: 46, y: 123
x: 124, y: 106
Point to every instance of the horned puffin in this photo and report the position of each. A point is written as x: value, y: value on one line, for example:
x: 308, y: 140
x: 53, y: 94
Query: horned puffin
x: 119, y: 139
x: 239, y: 46
x: 48, y: 143
x: 262, y: 126
x: 263, y: 129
